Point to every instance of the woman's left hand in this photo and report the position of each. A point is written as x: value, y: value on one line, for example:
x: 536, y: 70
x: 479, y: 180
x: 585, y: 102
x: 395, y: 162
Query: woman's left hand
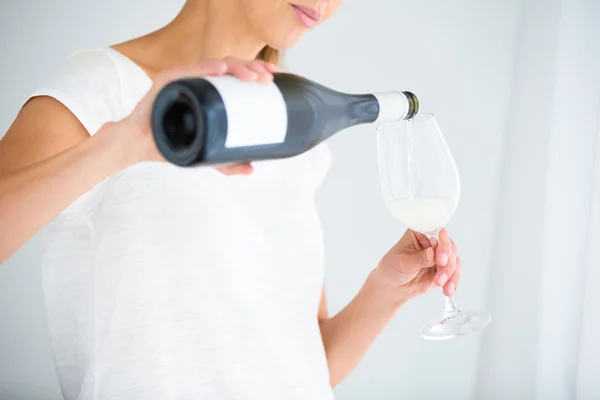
x: 413, y: 266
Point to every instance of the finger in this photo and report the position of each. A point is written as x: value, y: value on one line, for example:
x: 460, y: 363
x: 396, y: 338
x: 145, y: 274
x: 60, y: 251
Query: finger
x: 237, y: 169
x: 424, y: 241
x: 433, y: 242
x: 452, y: 284
x: 444, y: 249
x: 263, y: 74
x: 415, y: 260
x: 270, y: 66
x: 444, y: 274
x: 243, y: 72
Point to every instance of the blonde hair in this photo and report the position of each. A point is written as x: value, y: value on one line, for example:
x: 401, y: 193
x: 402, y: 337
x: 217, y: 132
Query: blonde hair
x: 269, y: 54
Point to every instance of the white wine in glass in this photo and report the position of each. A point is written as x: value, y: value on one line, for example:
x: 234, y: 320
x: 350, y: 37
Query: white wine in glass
x: 421, y: 189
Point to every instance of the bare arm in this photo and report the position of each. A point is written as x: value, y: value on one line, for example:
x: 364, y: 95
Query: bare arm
x: 349, y: 334
x: 48, y: 160
x: 411, y: 267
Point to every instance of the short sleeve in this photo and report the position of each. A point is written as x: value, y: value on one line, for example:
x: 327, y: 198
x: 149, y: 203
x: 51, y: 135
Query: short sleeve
x: 87, y: 83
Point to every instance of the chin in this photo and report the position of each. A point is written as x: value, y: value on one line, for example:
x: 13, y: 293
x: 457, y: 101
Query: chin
x: 285, y: 42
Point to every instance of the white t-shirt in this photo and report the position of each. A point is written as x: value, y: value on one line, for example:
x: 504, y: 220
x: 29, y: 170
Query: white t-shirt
x: 165, y: 282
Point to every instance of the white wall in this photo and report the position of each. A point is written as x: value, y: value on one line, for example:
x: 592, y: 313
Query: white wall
x: 456, y: 56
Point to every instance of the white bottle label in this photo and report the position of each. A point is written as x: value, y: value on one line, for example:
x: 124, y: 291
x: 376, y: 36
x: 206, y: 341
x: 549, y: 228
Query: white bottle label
x: 256, y: 112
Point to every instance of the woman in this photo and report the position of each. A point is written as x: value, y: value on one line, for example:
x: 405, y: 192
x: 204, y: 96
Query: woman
x: 183, y: 283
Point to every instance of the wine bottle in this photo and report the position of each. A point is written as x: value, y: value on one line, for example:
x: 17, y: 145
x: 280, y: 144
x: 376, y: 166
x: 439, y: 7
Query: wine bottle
x: 223, y: 120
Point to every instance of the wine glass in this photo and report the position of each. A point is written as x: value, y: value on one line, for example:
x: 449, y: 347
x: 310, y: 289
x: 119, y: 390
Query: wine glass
x: 421, y: 188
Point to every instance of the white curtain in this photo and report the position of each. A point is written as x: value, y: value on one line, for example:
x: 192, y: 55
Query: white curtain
x: 588, y: 376
x: 543, y: 293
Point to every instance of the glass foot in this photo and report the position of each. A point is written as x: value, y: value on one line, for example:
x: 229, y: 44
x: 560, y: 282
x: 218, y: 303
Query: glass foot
x: 454, y: 325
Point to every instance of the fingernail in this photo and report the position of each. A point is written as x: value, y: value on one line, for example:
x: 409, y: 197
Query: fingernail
x: 258, y: 68
x: 251, y: 73
x: 443, y: 259
x: 451, y: 288
x: 434, y: 242
x: 264, y: 71
x: 442, y: 279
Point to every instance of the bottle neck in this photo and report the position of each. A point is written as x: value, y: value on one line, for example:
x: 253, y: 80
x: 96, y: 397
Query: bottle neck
x: 395, y: 106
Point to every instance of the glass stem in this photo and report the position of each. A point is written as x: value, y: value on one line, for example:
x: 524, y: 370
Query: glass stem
x: 450, y: 308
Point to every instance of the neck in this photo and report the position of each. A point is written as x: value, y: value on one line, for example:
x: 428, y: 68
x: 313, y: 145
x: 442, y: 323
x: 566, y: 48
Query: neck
x: 203, y: 30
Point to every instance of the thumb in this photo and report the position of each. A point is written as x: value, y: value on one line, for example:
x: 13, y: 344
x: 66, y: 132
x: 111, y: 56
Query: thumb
x: 422, y: 259
x: 411, y: 263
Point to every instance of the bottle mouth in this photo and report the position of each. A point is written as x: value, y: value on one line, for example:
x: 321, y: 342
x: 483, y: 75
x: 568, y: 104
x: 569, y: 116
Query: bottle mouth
x: 413, y: 104
x: 179, y: 123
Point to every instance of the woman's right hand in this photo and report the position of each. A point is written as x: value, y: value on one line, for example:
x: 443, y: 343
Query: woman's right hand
x: 138, y: 122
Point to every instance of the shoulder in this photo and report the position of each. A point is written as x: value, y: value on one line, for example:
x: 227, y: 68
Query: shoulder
x: 88, y: 69
x: 99, y: 60
x: 88, y: 84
